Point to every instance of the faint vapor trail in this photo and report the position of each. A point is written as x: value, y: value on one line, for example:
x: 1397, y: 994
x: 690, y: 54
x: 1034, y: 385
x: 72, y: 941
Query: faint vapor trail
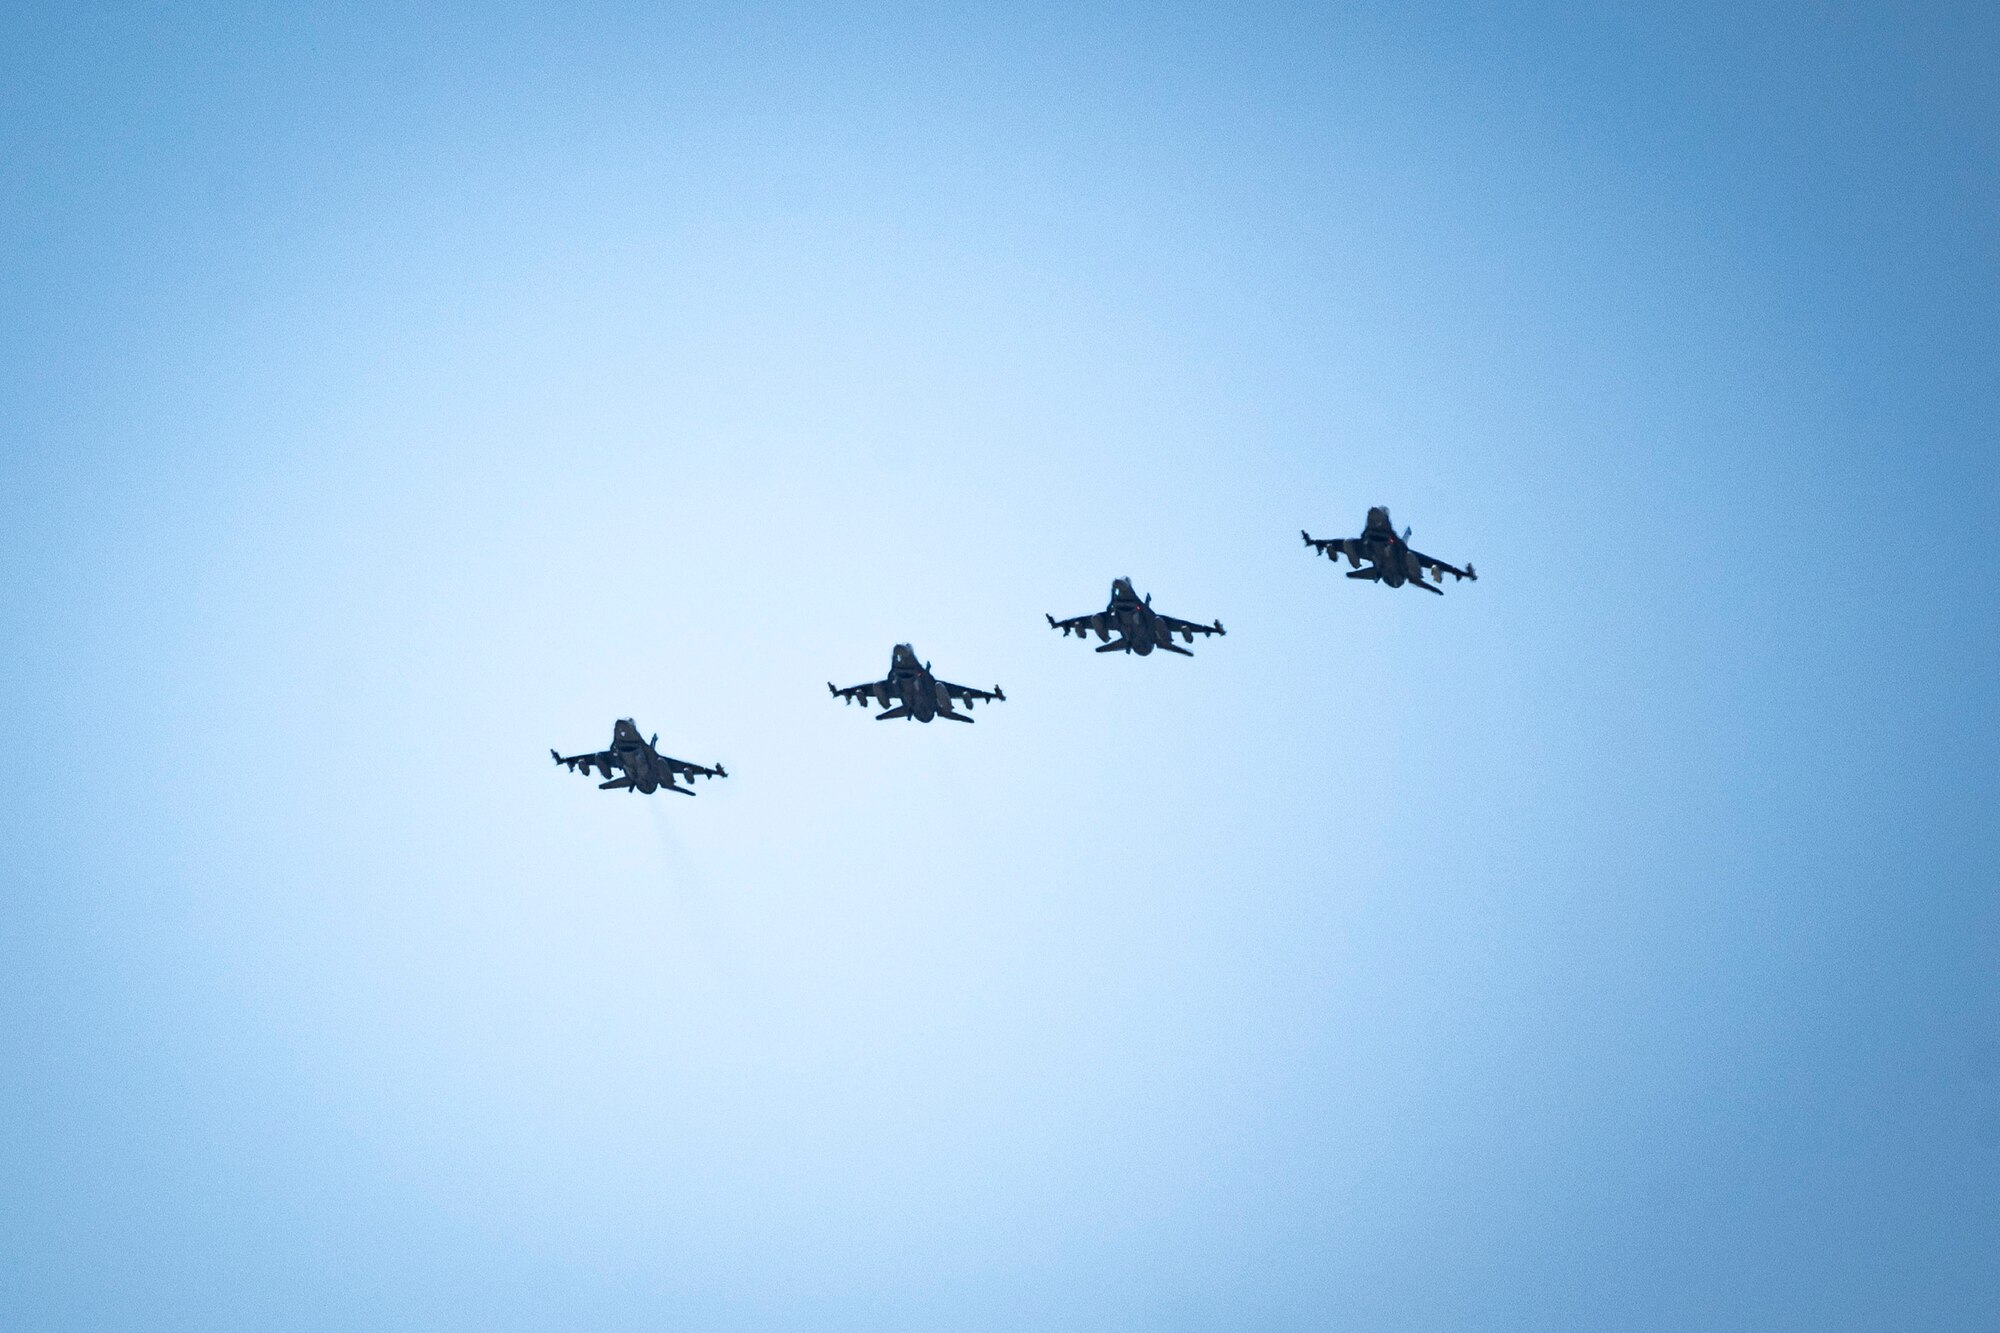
x: 707, y: 935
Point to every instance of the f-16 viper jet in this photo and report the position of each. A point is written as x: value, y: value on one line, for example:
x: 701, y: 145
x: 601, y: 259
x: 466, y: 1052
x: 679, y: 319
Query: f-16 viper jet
x: 1140, y: 628
x: 645, y: 768
x: 918, y: 693
x: 1390, y: 559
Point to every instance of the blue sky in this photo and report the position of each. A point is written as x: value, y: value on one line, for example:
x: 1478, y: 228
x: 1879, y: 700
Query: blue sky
x: 392, y: 395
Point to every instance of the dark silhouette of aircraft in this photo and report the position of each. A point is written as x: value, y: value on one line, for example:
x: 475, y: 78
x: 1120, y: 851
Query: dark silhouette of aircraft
x: 645, y: 768
x: 1390, y: 559
x: 920, y: 694
x: 1140, y: 628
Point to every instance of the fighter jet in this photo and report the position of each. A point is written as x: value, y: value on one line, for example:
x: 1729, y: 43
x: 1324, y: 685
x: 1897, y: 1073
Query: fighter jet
x: 920, y: 694
x: 1390, y: 559
x: 645, y: 768
x: 1140, y: 628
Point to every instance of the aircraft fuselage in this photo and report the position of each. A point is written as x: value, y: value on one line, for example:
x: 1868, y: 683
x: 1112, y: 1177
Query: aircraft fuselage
x: 1391, y: 558
x: 1137, y: 623
x: 636, y: 758
x: 912, y: 683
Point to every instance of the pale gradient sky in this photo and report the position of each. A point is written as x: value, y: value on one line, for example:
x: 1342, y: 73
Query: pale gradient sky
x: 392, y: 394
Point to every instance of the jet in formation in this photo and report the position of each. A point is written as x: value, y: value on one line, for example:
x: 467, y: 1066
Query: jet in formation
x: 918, y: 693
x: 644, y: 767
x: 1140, y: 628
x: 1390, y: 559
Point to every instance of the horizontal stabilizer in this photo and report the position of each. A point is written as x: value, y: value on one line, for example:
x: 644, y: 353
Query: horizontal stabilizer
x: 678, y: 791
x: 615, y: 782
x: 903, y: 711
x: 1175, y: 648
x: 1120, y: 645
x: 1369, y: 573
x: 1427, y: 587
x: 956, y: 717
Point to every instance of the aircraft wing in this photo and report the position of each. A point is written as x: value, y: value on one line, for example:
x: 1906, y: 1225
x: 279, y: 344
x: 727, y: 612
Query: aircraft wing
x: 965, y: 694
x: 1078, y: 625
x: 876, y: 692
x: 1326, y: 546
x: 681, y: 768
x: 602, y: 759
x: 1438, y: 568
x: 1187, y: 629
